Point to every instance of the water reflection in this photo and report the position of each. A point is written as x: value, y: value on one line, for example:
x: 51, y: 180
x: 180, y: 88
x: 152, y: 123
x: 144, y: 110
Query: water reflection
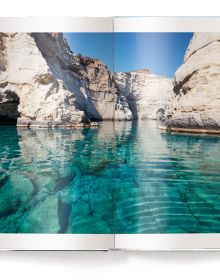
x: 123, y: 177
x: 169, y: 184
x: 59, y: 180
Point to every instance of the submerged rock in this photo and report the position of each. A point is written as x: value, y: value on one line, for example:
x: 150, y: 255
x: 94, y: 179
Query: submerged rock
x: 195, y: 107
x: 43, y: 218
x: 15, y: 191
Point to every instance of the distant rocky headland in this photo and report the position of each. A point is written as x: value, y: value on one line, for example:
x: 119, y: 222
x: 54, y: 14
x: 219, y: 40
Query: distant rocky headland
x: 44, y: 84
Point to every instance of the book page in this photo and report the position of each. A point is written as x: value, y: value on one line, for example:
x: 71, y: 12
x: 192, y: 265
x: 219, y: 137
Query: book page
x: 56, y: 169
x: 167, y: 181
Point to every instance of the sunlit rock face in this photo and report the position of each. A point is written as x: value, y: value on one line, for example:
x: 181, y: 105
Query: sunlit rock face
x: 88, y: 79
x: 44, y: 99
x: 42, y: 83
x: 197, y: 87
x: 54, y: 87
x: 143, y: 93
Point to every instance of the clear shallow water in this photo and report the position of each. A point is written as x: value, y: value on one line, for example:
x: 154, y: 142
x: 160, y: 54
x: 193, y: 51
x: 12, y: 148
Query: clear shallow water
x: 126, y: 177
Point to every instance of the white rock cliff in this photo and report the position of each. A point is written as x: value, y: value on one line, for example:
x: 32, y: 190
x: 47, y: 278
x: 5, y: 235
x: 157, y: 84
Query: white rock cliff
x: 144, y: 93
x: 42, y: 83
x: 196, y: 105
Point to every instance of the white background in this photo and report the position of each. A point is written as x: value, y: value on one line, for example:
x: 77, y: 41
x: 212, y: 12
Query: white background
x: 109, y: 265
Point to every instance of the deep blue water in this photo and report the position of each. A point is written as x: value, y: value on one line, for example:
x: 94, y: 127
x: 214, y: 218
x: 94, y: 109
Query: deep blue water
x: 123, y: 177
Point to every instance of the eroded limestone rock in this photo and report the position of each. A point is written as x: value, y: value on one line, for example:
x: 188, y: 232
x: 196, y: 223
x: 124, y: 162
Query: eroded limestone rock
x: 195, y: 107
x: 43, y: 84
x: 143, y: 93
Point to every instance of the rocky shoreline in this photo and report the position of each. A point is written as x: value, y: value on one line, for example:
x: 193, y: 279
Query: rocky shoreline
x: 44, y: 84
x: 45, y: 124
x: 189, y: 130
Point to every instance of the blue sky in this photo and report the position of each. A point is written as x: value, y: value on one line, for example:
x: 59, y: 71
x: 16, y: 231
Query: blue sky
x: 96, y: 45
x: 161, y: 53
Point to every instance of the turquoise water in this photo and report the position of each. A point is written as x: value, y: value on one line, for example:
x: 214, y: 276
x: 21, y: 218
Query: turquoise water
x: 124, y: 177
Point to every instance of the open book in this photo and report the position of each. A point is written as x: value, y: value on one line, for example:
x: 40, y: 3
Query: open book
x: 109, y: 133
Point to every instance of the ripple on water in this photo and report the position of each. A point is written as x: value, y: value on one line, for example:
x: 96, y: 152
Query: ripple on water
x: 170, y: 184
x: 127, y: 174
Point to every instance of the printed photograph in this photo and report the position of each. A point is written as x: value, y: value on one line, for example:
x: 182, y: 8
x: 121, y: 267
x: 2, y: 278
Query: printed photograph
x: 110, y: 133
